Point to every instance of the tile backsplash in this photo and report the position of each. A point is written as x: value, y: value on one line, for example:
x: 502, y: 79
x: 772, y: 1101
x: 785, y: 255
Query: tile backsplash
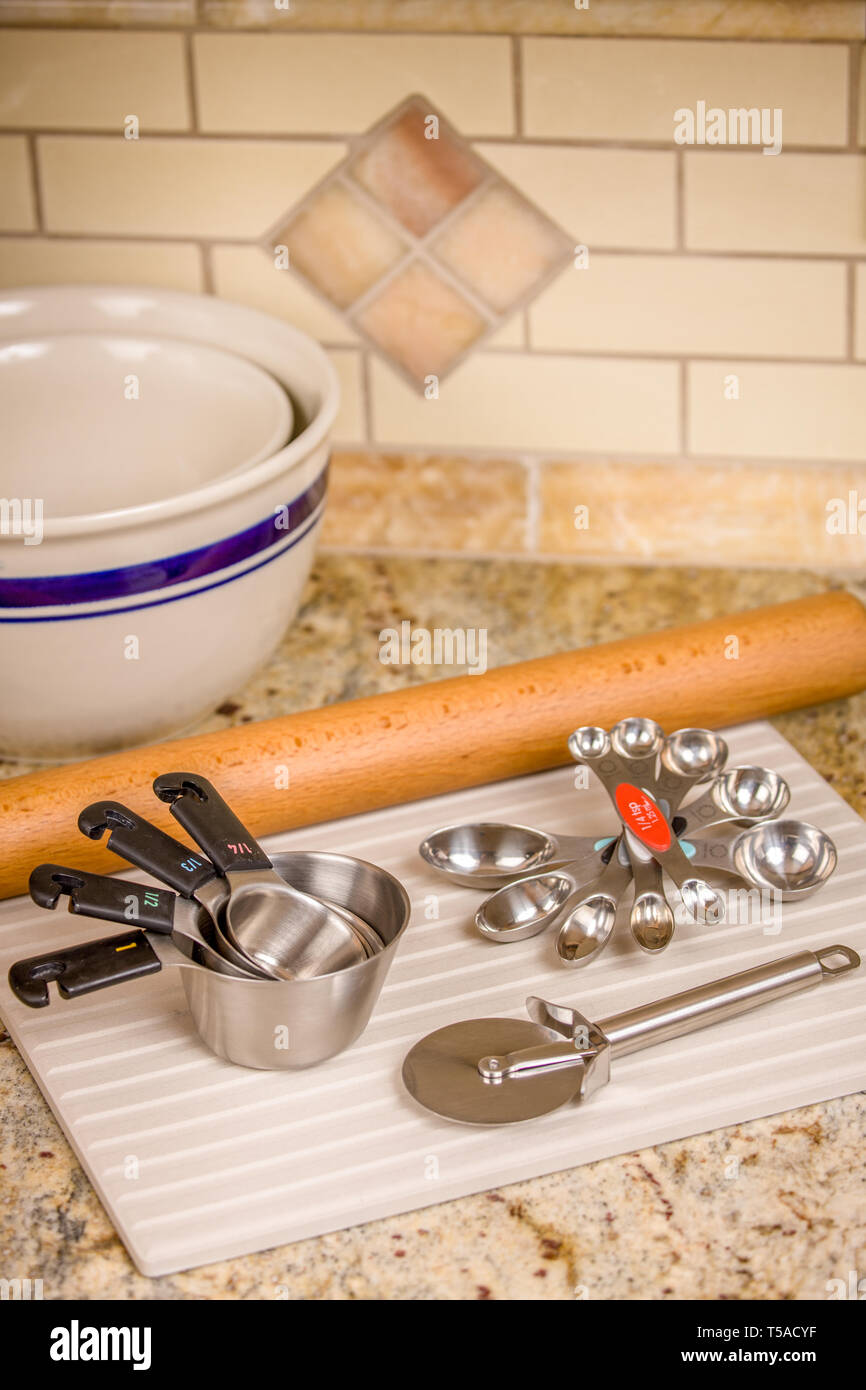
x: 559, y: 331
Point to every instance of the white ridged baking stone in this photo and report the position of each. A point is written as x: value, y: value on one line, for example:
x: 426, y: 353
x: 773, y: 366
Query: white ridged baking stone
x: 232, y: 1160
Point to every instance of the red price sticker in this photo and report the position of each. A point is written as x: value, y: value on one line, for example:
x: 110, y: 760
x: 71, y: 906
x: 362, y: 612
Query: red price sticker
x: 642, y: 816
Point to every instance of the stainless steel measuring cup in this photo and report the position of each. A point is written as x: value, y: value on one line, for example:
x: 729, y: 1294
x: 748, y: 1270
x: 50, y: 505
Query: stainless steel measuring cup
x: 119, y: 900
x: 288, y: 933
x: 191, y: 874
x: 270, y: 1024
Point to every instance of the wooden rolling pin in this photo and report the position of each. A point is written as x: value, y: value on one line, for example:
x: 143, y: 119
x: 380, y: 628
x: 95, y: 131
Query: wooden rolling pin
x: 448, y: 734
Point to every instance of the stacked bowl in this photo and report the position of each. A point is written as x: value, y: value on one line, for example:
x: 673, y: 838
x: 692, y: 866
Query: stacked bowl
x: 162, y: 481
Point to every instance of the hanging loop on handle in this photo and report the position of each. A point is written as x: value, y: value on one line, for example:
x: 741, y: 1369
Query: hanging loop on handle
x: 199, y: 808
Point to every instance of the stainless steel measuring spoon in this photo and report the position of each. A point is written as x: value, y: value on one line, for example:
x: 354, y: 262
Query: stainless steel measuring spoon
x: 740, y: 794
x: 586, y: 925
x: 489, y: 854
x: 637, y: 743
x: 651, y: 918
x: 289, y: 934
x: 789, y: 857
x: 494, y: 1071
x: 687, y: 757
x: 530, y: 905
x: 118, y: 900
x: 639, y: 813
x: 668, y: 768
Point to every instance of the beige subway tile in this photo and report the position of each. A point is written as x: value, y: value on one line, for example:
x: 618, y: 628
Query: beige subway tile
x: 349, y: 426
x: 211, y: 188
x: 730, y: 513
x: 56, y: 261
x: 93, y: 81
x: 511, y: 335
x: 860, y: 312
x: 17, y: 213
x: 247, y: 274
x: 629, y: 89
x: 861, y: 99
x: 793, y: 19
x: 798, y: 202
x: 613, y: 198
x: 426, y: 502
x: 786, y: 411
x: 703, y: 304
x: 302, y: 83
x: 519, y: 401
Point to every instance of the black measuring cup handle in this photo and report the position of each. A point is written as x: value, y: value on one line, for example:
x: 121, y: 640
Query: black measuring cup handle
x: 146, y: 846
x: 200, y: 809
x: 110, y: 899
x: 112, y: 960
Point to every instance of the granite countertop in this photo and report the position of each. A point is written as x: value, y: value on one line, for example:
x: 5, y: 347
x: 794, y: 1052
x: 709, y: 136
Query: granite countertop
x: 665, y: 1222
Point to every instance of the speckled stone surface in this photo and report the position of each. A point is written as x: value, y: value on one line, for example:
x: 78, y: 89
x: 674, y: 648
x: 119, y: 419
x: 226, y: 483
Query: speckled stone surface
x: 774, y: 1209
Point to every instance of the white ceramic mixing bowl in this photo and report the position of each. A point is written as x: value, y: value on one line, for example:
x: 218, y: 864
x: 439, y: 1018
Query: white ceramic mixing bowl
x: 125, y: 625
x: 96, y: 422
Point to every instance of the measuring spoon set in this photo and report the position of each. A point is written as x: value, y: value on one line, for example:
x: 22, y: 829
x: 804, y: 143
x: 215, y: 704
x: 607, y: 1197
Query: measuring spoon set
x: 576, y: 885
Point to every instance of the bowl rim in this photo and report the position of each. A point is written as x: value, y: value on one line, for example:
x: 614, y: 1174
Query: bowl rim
x: 221, y: 490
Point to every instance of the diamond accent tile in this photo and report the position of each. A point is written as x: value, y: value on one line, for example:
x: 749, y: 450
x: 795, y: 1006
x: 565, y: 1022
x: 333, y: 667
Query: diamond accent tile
x: 421, y: 244
x: 417, y: 179
x: 421, y: 322
x: 500, y: 246
x: 340, y: 245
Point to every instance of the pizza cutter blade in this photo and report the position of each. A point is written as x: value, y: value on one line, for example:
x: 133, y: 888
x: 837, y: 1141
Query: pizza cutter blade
x: 441, y: 1073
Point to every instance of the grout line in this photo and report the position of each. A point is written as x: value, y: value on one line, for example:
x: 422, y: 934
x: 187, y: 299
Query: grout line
x: 533, y: 503
x: 851, y: 312
x: 192, y: 85
x: 595, y: 457
x: 854, y: 53
x: 202, y: 22
x: 684, y: 405
x: 705, y: 253
x: 517, y: 84
x: 36, y: 185
x: 632, y: 146
x: 680, y: 201
x: 367, y: 397
x: 619, y: 558
x: 205, y: 252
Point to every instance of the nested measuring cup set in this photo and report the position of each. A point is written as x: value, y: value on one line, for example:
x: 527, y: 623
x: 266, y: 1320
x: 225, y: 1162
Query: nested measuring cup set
x: 681, y: 811
x: 281, y: 959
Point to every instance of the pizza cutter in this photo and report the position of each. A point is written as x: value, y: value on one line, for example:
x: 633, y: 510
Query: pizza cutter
x: 496, y: 1071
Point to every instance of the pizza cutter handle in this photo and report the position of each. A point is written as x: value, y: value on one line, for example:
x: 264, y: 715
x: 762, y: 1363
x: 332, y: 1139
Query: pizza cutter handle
x: 726, y: 998
x: 199, y: 808
x: 80, y: 969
